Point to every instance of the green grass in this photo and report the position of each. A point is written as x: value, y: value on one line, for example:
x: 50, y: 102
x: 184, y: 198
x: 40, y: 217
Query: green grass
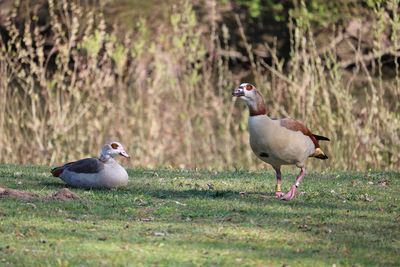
x: 173, y: 218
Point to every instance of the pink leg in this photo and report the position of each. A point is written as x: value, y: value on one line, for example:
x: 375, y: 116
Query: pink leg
x: 278, y: 192
x: 292, y: 192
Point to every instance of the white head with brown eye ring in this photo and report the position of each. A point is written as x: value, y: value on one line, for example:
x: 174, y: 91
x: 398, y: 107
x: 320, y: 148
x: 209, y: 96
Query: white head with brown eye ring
x: 111, y: 150
x: 246, y: 91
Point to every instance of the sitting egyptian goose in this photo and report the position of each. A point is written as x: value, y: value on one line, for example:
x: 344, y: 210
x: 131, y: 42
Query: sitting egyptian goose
x: 102, y: 172
x: 278, y: 141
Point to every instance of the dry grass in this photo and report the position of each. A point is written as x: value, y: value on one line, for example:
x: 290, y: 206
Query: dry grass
x: 167, y: 96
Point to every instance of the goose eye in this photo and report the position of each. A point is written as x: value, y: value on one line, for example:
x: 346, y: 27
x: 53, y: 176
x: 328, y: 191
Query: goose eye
x: 249, y: 87
x: 114, y: 145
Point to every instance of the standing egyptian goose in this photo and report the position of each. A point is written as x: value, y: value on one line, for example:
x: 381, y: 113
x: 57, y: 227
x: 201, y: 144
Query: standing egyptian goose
x: 278, y: 141
x: 102, y: 172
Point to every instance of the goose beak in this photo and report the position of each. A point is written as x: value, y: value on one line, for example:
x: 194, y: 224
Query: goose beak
x: 124, y: 154
x: 238, y: 92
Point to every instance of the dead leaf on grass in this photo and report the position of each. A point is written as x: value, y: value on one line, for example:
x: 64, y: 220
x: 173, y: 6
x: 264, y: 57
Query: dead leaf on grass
x: 31, y: 204
x: 226, y: 219
x: 159, y: 234
x: 304, y: 227
x: 147, y: 219
x: 8, y: 249
x: 367, y: 198
x: 179, y: 203
x: 383, y: 183
x: 141, y: 202
x: 188, y: 219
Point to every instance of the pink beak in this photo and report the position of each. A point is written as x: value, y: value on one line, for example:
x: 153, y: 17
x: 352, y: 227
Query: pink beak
x: 238, y: 92
x: 124, y: 154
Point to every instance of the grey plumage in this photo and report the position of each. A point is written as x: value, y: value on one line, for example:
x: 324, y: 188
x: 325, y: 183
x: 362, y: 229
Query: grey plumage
x: 88, y: 165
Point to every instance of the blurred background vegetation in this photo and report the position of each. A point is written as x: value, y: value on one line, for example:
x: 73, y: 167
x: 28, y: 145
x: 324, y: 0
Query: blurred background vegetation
x: 158, y: 75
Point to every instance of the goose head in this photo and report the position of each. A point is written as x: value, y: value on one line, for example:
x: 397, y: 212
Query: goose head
x: 112, y: 150
x: 252, y: 97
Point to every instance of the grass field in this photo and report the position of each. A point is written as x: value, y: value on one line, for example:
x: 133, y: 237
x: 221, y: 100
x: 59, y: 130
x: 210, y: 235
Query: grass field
x: 203, y: 218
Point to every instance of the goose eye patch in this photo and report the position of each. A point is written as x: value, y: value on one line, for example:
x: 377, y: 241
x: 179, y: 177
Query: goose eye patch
x: 249, y: 87
x: 114, y: 145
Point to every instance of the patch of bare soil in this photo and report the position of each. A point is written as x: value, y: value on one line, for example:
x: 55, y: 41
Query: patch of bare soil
x: 62, y: 195
x: 7, y: 192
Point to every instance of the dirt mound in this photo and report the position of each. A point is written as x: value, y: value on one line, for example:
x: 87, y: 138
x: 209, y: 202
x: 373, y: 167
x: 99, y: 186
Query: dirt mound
x: 7, y: 192
x: 64, y: 195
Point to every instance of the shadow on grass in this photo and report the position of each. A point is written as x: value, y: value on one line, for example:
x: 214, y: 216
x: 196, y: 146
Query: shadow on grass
x: 348, y: 236
x: 323, y: 219
x: 326, y: 202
